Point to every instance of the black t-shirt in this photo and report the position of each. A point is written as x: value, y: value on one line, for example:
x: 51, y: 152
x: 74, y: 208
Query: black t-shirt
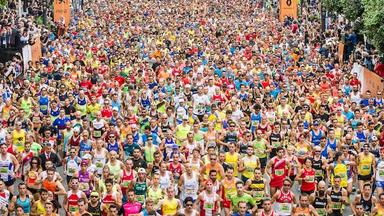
x: 139, y: 163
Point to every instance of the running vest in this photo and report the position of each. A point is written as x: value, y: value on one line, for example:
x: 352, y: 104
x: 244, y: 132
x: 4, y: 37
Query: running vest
x: 284, y: 203
x: 140, y: 189
x: 320, y: 204
x: 72, y: 201
x: 25, y: 204
x: 250, y: 165
x: 169, y: 207
x: 316, y: 137
x: 336, y: 200
x: 258, y: 187
x: 190, y: 187
x: 6, y: 167
x: 365, y: 165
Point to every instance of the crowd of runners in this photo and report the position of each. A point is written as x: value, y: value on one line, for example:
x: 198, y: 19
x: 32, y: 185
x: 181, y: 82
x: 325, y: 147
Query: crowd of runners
x: 203, y: 107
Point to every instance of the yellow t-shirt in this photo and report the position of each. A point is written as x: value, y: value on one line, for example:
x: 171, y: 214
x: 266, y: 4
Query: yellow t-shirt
x: 18, y: 138
x: 232, y: 160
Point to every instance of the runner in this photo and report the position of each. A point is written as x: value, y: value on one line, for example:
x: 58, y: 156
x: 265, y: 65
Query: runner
x: 337, y: 196
x: 284, y: 199
x: 304, y: 208
x: 277, y: 169
x: 208, y: 200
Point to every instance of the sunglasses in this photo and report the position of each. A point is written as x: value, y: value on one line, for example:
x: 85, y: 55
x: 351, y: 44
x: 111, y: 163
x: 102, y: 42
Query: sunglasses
x: 189, y: 205
x: 94, y: 197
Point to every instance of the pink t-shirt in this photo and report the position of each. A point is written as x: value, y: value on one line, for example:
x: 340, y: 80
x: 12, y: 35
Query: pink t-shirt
x: 131, y: 208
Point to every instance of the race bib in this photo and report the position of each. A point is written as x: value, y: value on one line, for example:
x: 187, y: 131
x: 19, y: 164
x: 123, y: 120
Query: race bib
x: 318, y: 173
x: 140, y: 198
x: 73, y: 208
x: 99, y: 164
x: 208, y: 205
x: 285, y: 208
x: 336, y: 205
x: 381, y: 172
x: 84, y: 186
x: 43, y: 107
x: 125, y: 184
x: 366, y: 167
x: 3, y: 170
x: 97, y: 133
x: 321, y: 212
x: 259, y: 194
x: 279, y: 172
x: 71, y: 170
x: 276, y: 144
x: 310, y: 179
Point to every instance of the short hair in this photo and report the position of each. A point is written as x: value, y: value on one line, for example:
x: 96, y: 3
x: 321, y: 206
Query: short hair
x: 81, y: 200
x: 188, y: 199
x: 108, y: 180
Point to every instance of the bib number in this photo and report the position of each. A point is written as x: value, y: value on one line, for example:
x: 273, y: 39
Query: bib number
x: 279, y: 172
x: 208, y: 206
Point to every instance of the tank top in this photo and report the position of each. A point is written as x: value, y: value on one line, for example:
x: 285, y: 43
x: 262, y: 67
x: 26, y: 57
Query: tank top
x: 108, y: 199
x: 84, y: 182
x: 275, y: 140
x: 365, y: 165
x: 232, y: 159
x: 250, y: 164
x: 85, y: 146
x: 95, y: 211
x: 320, y: 204
x: 341, y: 170
x: 284, y: 202
x: 194, y: 165
x: 361, y: 136
x: 155, y: 194
x: 72, y: 166
x: 208, y: 205
x: 6, y: 167
x: 229, y: 188
x: 165, y: 180
x: 113, y: 147
x: 72, y: 201
x: 169, y: 206
x: 49, y: 185
x: 190, y: 187
x: 176, y: 169
x: 82, y: 105
x: 32, y: 177
x: 380, y: 170
x: 54, y: 113
x: 25, y: 204
x: 140, y: 189
x: 367, y: 204
x: 209, y: 168
x: 258, y: 186
x: 308, y: 184
x: 279, y: 171
x: 114, y: 169
x: 303, y: 211
x: 99, y: 160
x: 19, y: 140
x: 131, y: 208
x: 316, y: 137
x: 126, y: 180
x: 318, y: 167
x: 43, y: 103
x: 336, y: 200
x: 40, y: 208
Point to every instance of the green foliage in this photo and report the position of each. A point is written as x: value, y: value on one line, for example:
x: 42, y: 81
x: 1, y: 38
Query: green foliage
x: 3, y: 3
x: 373, y: 19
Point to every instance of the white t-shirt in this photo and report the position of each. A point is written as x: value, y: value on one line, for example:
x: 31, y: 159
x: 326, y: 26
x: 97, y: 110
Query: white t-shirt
x: 199, y: 103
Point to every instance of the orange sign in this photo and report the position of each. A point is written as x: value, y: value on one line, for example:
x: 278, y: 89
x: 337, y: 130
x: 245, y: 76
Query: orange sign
x: 372, y: 82
x: 288, y: 8
x: 62, y: 11
x: 340, y: 53
x: 36, y: 51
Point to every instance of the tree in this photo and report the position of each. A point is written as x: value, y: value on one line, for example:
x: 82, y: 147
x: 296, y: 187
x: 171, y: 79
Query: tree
x: 373, y: 19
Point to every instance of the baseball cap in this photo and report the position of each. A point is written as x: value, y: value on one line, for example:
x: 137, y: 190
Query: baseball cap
x: 84, y: 162
x: 95, y: 194
x: 142, y: 170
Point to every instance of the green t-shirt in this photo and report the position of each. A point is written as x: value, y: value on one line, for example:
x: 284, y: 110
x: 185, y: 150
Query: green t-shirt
x: 245, y: 197
x: 36, y: 148
x: 260, y: 147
